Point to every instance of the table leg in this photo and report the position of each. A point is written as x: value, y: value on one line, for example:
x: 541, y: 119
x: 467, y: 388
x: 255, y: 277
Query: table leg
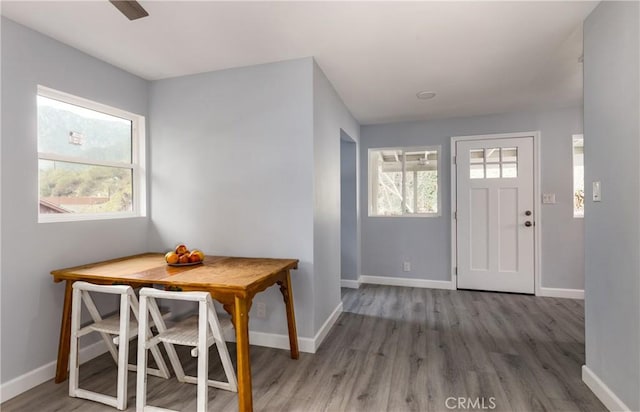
x: 241, y: 319
x: 287, y: 295
x: 65, y: 334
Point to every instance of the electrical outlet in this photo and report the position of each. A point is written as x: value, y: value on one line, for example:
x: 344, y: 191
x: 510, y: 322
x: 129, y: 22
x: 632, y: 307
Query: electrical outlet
x: 261, y: 310
x: 549, y: 198
x: 406, y: 266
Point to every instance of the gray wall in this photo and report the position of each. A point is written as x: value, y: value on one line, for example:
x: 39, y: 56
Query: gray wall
x: 231, y: 156
x: 425, y: 242
x: 259, y: 147
x: 330, y: 116
x: 241, y: 162
x: 31, y: 302
x: 612, y: 227
x: 348, y: 209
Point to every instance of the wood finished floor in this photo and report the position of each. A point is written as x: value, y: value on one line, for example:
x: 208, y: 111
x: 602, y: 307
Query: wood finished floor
x: 392, y: 349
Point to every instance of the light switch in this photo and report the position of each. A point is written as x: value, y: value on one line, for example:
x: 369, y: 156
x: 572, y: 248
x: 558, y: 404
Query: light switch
x: 549, y: 198
x: 597, y: 195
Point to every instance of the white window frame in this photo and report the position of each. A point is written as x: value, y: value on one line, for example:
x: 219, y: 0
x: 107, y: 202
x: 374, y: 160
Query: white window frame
x: 137, y: 165
x: 372, y: 192
x: 573, y: 175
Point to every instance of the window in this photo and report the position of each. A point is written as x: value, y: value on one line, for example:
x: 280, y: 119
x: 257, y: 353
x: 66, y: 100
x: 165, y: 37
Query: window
x: 578, y: 176
x: 90, y: 159
x: 493, y: 163
x: 404, y: 182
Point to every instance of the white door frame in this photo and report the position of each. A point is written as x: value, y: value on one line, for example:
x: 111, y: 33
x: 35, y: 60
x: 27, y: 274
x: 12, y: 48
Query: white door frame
x: 537, y: 204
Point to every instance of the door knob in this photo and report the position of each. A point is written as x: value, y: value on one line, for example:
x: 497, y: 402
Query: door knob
x: 528, y: 213
x: 528, y: 223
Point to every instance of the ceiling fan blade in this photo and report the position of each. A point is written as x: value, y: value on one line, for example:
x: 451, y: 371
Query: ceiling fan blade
x: 132, y: 9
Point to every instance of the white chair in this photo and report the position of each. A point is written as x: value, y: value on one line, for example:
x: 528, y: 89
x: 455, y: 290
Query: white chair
x: 199, y: 334
x: 115, y: 330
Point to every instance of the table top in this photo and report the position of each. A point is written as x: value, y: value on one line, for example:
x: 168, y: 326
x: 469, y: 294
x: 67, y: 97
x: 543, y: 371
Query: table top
x: 238, y: 274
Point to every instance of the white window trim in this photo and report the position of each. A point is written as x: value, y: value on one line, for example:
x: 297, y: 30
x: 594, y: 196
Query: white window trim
x: 371, y: 189
x: 573, y: 176
x: 137, y: 165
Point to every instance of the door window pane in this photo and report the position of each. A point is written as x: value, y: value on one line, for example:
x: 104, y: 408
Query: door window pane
x: 509, y: 154
x: 509, y: 170
x: 493, y: 155
x: 476, y: 156
x: 493, y: 171
x: 493, y: 163
x: 476, y: 171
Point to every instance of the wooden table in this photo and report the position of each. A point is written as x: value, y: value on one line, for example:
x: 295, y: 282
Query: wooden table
x: 233, y: 281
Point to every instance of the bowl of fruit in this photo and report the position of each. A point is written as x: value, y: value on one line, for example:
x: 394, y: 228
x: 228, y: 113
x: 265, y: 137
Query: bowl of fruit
x: 182, y: 256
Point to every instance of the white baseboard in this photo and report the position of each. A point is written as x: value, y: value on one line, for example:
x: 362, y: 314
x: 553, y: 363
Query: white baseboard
x: 23, y: 383
x: 447, y: 284
x: 602, y: 391
x: 326, y: 327
x: 352, y: 284
x: 409, y: 282
x: 561, y: 293
x: 278, y: 341
x: 271, y: 340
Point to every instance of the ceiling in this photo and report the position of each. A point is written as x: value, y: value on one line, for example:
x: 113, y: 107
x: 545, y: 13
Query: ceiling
x: 479, y: 57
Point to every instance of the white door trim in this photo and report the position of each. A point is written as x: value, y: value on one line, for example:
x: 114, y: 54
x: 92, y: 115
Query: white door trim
x: 536, y: 200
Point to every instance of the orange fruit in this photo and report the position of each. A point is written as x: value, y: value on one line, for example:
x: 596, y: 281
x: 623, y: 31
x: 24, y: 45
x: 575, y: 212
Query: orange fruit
x: 198, y: 253
x: 171, y: 257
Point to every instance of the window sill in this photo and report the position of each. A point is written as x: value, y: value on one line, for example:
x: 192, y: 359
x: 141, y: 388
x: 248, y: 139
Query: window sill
x: 55, y: 218
x: 414, y: 215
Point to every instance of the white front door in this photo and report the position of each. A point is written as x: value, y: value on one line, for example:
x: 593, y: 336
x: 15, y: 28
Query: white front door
x: 495, y: 216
